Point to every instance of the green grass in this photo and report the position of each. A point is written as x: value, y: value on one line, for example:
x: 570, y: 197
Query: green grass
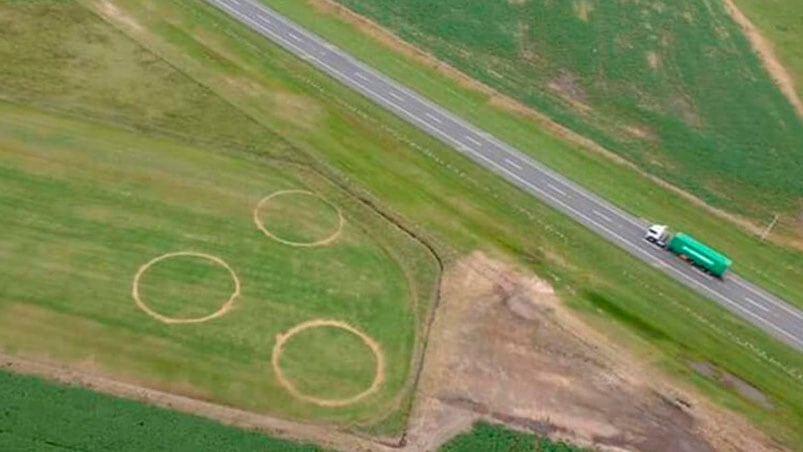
x: 87, y: 205
x: 41, y: 416
x: 781, y: 22
x: 771, y: 266
x: 710, y: 118
x: 314, y: 371
x: 296, y: 112
x: 496, y: 438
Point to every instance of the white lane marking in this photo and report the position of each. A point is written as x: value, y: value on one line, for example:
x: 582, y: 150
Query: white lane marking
x: 433, y: 118
x: 361, y: 76
x: 264, y: 18
x: 544, y: 194
x: 602, y: 215
x: 782, y: 305
x: 473, y: 140
x: 754, y: 303
x: 556, y: 189
x: 294, y: 36
x: 513, y: 164
x: 236, y: 2
x: 396, y: 96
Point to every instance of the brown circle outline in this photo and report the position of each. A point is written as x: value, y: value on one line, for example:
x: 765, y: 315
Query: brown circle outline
x: 323, y: 242
x: 173, y: 320
x: 376, y: 349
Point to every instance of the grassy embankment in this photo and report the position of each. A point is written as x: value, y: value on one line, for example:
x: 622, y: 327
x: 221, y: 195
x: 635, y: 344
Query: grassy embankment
x: 781, y: 22
x: 457, y: 205
x: 673, y: 87
x: 41, y: 416
x: 771, y: 266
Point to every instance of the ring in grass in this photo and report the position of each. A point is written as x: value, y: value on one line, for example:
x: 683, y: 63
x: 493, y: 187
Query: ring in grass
x: 322, y: 242
x: 224, y: 308
x: 376, y: 349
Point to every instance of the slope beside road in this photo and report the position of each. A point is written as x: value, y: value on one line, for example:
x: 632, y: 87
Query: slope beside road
x: 755, y: 305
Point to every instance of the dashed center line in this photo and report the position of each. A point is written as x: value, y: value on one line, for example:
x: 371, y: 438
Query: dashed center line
x: 473, y: 140
x: 264, y: 18
x: 754, y: 303
x: 294, y: 36
x: 433, y: 118
x: 360, y: 75
x: 513, y: 164
x: 556, y: 189
x: 603, y: 216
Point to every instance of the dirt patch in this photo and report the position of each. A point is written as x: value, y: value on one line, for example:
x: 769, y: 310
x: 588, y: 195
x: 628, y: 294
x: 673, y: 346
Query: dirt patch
x: 582, y: 9
x: 653, y: 60
x: 744, y: 388
x: 568, y: 87
x: 767, y: 55
x: 376, y: 349
x: 111, y: 11
x: 503, y: 348
x: 224, y: 308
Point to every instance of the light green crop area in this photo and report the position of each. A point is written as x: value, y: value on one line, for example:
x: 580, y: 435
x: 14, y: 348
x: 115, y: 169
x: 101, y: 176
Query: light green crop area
x: 236, y: 99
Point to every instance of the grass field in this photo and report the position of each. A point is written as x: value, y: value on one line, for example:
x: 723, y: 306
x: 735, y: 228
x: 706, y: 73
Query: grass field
x: 495, y: 438
x: 41, y: 416
x: 256, y: 100
x: 773, y: 267
x: 782, y: 23
x: 86, y: 206
x: 672, y: 86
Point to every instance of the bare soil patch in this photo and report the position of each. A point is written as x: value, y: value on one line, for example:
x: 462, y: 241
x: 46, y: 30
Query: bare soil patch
x: 767, y: 55
x: 503, y: 348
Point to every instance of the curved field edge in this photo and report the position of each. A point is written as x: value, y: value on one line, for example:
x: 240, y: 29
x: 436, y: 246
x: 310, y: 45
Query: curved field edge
x: 410, y: 176
x: 778, y: 268
x: 209, y: 361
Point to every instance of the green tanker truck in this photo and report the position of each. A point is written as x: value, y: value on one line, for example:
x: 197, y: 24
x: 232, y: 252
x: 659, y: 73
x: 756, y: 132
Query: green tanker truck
x: 689, y: 249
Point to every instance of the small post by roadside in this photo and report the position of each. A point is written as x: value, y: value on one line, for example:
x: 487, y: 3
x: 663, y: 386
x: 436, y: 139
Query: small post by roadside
x: 769, y: 227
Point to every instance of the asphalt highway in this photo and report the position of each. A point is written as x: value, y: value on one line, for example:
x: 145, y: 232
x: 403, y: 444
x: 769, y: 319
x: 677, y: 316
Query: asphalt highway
x: 746, y: 300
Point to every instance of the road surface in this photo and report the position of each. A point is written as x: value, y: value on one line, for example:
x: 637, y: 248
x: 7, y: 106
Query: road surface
x: 758, y: 307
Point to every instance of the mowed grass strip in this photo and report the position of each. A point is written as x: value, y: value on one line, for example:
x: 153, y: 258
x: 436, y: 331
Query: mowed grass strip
x: 41, y: 416
x: 85, y: 206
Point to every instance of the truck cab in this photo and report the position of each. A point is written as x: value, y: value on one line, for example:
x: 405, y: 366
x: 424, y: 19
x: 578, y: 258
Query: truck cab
x: 658, y: 234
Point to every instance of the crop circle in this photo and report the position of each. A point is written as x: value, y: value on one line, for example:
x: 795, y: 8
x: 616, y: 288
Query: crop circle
x: 321, y: 242
x: 224, y: 308
x: 376, y: 349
